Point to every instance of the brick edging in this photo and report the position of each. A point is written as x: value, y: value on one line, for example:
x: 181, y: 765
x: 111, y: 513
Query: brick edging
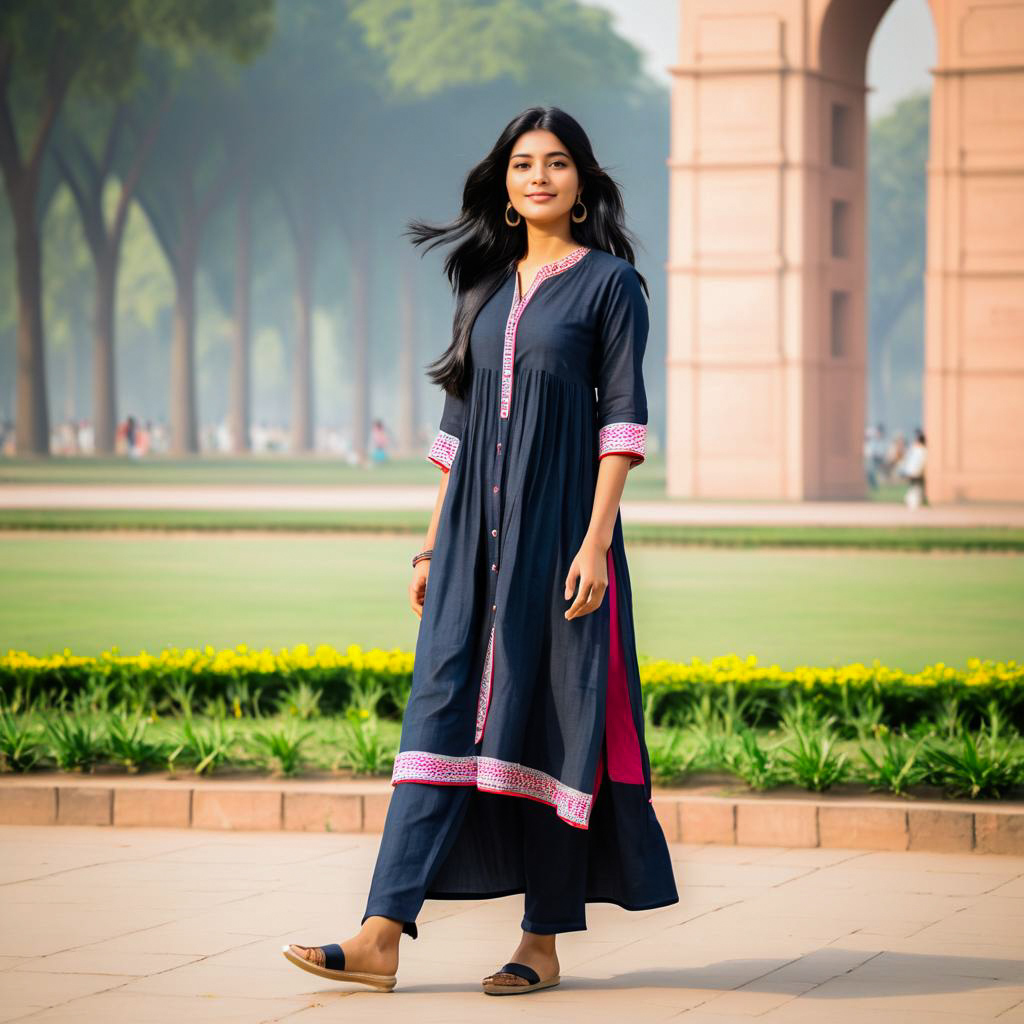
x: 843, y: 822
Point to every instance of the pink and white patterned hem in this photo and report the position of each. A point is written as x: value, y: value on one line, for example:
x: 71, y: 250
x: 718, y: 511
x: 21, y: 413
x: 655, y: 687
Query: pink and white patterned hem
x: 494, y: 776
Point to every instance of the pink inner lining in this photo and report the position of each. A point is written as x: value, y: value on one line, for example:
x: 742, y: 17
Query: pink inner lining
x: 623, y: 745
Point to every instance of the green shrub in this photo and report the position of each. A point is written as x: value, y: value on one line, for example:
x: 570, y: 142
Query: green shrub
x: 204, y: 747
x: 365, y: 752
x: 811, y: 760
x: 128, y: 745
x: 669, y: 761
x: 976, y: 770
x: 895, y: 766
x: 75, y: 742
x: 20, y: 747
x: 283, y: 746
x: 756, y: 765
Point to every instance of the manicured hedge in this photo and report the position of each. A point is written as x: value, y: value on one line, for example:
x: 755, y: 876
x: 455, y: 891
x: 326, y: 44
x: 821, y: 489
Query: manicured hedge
x: 674, y: 691
x: 898, y: 698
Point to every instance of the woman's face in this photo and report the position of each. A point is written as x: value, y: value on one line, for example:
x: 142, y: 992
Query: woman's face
x: 542, y: 180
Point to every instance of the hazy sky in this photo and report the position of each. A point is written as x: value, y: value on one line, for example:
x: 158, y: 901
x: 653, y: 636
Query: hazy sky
x: 901, y: 53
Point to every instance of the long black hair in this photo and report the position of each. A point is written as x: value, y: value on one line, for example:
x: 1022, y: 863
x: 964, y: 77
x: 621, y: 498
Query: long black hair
x: 489, y: 248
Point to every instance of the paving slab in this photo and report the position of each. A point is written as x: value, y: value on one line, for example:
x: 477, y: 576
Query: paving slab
x: 99, y: 924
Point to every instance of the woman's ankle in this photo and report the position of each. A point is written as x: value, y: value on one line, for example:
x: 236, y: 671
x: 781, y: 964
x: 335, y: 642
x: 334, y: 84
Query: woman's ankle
x: 541, y: 942
x: 382, y: 932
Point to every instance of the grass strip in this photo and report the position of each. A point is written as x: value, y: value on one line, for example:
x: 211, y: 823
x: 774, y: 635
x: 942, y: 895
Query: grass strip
x: 905, y: 538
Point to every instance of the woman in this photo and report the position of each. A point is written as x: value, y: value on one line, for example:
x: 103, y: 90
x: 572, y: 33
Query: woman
x: 525, y: 679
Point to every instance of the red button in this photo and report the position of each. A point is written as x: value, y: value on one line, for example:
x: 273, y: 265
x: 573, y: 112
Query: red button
x: 494, y: 607
x: 494, y: 533
x: 494, y: 567
x: 495, y: 488
x: 499, y: 446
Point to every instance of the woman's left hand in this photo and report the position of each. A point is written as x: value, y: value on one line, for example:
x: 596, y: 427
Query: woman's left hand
x: 590, y: 568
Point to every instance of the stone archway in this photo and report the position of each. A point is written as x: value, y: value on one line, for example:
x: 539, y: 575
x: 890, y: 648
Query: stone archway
x: 766, y: 274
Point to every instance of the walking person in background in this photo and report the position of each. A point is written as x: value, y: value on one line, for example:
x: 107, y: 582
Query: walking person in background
x: 913, y: 470
x: 522, y: 766
x: 873, y: 453
x: 380, y: 442
x: 877, y: 454
x: 894, y: 452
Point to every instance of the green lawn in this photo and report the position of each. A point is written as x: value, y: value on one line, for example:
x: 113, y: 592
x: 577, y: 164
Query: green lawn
x: 93, y: 591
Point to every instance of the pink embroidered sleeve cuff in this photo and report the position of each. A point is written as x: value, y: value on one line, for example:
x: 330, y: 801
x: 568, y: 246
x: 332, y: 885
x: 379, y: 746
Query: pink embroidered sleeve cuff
x: 623, y: 439
x: 442, y: 451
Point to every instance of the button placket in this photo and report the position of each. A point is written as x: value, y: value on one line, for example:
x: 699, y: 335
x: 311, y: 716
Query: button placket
x: 498, y: 463
x: 499, y: 449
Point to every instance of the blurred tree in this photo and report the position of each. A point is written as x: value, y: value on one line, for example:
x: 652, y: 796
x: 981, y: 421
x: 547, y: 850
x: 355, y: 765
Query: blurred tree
x: 454, y: 70
x: 188, y: 177
x: 126, y: 132
x: 46, y: 46
x: 208, y: 31
x: 317, y: 84
x: 434, y: 45
x: 67, y: 275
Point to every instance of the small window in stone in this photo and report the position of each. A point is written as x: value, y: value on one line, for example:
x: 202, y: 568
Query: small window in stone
x: 840, y: 135
x: 840, y: 228
x: 840, y: 325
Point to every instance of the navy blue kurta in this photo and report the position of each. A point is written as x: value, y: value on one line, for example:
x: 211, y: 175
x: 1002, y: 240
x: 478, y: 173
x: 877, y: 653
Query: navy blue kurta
x: 509, y: 697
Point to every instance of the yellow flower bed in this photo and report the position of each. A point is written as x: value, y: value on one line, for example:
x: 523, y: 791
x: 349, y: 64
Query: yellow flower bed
x: 842, y: 689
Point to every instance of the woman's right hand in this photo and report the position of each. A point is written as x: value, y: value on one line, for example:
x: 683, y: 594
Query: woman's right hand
x: 418, y: 586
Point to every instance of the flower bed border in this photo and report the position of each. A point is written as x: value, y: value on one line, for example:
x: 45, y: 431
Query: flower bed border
x: 361, y: 806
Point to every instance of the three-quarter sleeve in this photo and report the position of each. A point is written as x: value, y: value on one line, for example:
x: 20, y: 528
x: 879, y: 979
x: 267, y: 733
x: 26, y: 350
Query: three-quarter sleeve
x: 621, y: 397
x: 446, y: 443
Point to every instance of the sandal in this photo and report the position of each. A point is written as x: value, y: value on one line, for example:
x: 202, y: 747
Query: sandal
x: 509, y: 988
x: 329, y: 962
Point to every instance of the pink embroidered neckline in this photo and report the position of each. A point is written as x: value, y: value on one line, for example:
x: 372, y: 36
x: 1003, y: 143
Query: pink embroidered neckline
x: 508, y: 355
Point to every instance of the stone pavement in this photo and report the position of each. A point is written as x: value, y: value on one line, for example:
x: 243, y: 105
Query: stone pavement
x: 159, y: 925
x: 399, y: 496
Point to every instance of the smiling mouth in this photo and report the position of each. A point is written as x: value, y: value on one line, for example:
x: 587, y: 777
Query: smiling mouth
x: 540, y: 195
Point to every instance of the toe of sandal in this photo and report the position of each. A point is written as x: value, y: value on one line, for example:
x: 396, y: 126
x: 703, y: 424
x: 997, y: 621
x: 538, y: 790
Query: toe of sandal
x: 329, y: 962
x: 515, y: 978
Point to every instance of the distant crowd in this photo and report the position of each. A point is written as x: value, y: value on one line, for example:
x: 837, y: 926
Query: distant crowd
x: 889, y: 460
x: 138, y: 438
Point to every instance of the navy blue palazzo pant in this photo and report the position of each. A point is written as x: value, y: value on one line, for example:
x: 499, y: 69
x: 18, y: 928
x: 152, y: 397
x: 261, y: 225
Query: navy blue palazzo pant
x: 423, y: 820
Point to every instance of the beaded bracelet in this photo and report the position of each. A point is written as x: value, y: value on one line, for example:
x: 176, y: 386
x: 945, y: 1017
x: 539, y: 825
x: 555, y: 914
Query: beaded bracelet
x: 423, y: 554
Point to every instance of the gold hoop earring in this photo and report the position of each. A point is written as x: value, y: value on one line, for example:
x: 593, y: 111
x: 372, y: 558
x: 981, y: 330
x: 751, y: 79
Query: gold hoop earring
x: 575, y: 219
x: 512, y: 223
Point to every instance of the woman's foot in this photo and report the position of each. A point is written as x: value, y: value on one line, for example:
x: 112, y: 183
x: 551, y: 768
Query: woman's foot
x: 534, y: 950
x: 373, y: 950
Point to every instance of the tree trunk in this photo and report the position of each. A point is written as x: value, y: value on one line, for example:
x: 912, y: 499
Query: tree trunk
x: 407, y: 384
x: 32, y: 419
x: 302, y: 358
x: 184, y: 427
x: 240, y: 347
x: 104, y: 396
x: 70, y: 377
x: 360, y: 346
